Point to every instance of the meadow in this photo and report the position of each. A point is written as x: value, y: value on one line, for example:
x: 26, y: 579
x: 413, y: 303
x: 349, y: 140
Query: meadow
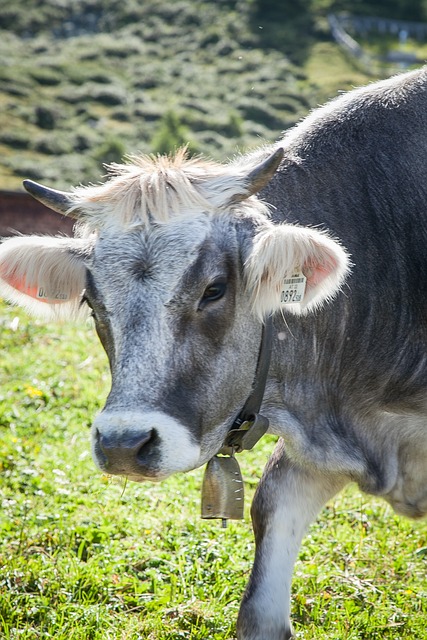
x: 82, y: 83
x: 89, y: 557
x: 84, y: 556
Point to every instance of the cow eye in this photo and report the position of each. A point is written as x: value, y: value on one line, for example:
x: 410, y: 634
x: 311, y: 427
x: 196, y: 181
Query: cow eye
x: 215, y: 291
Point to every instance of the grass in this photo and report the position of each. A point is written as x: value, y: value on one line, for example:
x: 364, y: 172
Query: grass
x: 75, y: 75
x: 84, y: 556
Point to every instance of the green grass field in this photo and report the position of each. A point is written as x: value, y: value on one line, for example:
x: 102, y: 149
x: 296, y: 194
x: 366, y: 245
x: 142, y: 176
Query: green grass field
x: 84, y: 556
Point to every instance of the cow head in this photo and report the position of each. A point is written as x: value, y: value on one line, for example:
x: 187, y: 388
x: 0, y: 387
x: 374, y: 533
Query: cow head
x: 178, y: 262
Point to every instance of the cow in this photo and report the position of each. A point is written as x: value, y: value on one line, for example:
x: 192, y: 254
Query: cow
x: 184, y: 262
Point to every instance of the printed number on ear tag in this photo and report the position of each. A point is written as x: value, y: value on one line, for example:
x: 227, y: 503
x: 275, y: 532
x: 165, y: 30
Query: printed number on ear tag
x: 222, y: 490
x: 293, y: 288
x: 51, y: 296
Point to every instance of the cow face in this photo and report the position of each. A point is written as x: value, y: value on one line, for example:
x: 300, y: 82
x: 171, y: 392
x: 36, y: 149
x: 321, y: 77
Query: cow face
x: 178, y: 304
x: 170, y: 309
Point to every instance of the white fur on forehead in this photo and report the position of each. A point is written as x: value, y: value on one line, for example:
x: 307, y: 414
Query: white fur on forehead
x: 148, y: 188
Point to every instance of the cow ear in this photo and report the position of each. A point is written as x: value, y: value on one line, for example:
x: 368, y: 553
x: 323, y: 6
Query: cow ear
x: 44, y: 275
x: 280, y: 252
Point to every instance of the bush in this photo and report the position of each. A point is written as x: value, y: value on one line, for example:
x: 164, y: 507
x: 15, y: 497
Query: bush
x: 15, y: 139
x: 13, y: 89
x: 110, y: 96
x: 234, y: 126
x: 52, y: 144
x: 46, y: 76
x: 63, y: 171
x: 112, y: 150
x: 171, y: 134
x: 28, y: 168
x: 45, y: 117
x: 261, y: 112
x: 120, y: 115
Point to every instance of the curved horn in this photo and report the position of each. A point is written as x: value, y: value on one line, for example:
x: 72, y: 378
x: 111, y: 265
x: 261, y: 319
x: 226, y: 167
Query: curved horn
x: 58, y: 201
x: 259, y: 177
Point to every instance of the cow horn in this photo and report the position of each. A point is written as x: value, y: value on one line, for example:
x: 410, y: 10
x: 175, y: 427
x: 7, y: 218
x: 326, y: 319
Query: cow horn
x: 58, y: 201
x: 259, y: 177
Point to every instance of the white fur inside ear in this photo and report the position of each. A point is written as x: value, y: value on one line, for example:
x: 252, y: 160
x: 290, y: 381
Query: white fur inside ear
x: 44, y: 275
x: 277, y: 251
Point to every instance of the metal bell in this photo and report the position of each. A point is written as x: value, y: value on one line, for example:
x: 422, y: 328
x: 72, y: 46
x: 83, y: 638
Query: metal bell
x: 222, y: 489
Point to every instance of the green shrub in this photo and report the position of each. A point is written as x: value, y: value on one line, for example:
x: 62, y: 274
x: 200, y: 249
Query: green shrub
x: 234, y: 127
x: 26, y: 167
x: 170, y: 135
x: 112, y: 150
x: 45, y: 117
x: 261, y: 112
x: 120, y: 115
x: 148, y: 113
x: 90, y: 70
x: 46, y: 76
x: 211, y: 142
x: 63, y: 171
x: 110, y: 96
x: 14, y: 89
x: 52, y: 144
x: 15, y: 139
x: 84, y: 138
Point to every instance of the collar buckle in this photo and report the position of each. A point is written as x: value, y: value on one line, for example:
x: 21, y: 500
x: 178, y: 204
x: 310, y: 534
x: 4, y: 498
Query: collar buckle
x: 246, y: 436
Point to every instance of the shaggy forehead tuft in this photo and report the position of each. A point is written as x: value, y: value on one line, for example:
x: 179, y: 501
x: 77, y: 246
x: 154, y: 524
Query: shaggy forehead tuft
x: 156, y: 188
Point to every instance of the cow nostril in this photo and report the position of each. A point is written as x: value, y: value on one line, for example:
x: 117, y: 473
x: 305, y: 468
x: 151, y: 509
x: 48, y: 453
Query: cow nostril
x: 144, y: 451
x: 122, y: 449
x: 148, y: 436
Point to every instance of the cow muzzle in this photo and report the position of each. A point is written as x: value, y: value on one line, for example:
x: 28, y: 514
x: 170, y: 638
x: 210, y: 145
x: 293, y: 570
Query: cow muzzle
x: 142, y: 446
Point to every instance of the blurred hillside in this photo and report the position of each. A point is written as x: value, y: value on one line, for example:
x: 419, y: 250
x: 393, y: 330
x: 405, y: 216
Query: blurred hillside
x: 83, y: 82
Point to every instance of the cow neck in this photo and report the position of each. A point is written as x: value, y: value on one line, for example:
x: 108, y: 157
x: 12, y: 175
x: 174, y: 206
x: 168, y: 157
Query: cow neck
x: 222, y: 489
x: 249, y: 426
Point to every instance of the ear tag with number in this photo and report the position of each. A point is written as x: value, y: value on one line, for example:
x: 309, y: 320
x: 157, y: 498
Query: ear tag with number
x: 222, y: 490
x: 51, y: 296
x: 293, y: 288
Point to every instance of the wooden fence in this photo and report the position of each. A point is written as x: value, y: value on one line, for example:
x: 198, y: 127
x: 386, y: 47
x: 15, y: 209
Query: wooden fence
x: 20, y: 213
x: 362, y: 26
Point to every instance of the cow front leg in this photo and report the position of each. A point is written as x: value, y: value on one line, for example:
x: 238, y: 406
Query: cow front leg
x: 287, y: 500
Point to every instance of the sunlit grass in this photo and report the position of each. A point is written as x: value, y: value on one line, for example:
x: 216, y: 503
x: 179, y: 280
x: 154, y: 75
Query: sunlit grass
x: 84, y: 556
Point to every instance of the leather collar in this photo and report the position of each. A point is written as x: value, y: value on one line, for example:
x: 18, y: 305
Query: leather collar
x: 249, y: 426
